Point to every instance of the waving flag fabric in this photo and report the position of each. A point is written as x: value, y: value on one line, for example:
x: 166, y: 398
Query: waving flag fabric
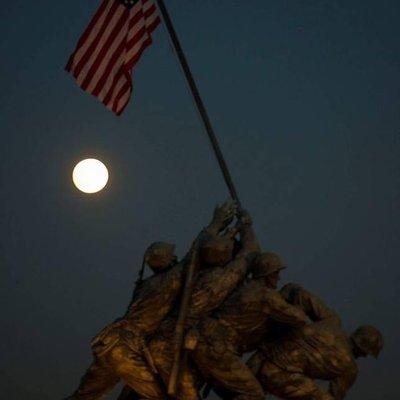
x: 110, y: 47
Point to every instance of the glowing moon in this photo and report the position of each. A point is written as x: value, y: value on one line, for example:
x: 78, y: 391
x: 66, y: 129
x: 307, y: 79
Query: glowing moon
x: 90, y: 175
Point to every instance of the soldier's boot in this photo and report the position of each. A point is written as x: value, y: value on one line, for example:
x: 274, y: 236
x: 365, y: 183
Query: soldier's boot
x: 130, y: 366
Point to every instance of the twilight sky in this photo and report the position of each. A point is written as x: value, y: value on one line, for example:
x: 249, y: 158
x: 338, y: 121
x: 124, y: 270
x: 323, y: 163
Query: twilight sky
x: 305, y: 98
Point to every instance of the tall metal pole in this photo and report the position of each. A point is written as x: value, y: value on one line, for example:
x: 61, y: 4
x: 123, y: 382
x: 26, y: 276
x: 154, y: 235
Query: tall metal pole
x: 198, y: 100
x: 184, y: 307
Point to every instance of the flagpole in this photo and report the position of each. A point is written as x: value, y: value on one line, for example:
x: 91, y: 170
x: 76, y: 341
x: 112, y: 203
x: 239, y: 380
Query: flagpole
x: 198, y: 100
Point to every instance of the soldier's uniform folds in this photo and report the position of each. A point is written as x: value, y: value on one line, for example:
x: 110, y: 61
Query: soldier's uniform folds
x: 322, y: 350
x: 239, y: 326
x: 118, y: 349
x: 213, y: 285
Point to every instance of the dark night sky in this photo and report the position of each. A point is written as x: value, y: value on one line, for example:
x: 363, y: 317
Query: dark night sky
x: 305, y: 98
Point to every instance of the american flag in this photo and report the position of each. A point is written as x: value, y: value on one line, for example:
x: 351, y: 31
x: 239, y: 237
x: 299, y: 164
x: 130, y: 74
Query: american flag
x: 110, y: 47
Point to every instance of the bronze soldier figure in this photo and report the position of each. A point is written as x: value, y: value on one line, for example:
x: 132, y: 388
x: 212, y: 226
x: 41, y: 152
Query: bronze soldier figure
x: 219, y: 275
x: 120, y: 350
x: 289, y: 367
x: 239, y: 325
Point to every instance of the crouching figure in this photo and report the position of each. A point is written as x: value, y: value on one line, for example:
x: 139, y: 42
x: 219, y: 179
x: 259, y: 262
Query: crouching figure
x: 289, y: 366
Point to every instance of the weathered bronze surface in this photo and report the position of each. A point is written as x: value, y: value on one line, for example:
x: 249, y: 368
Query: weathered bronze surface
x: 321, y: 350
x: 190, y: 323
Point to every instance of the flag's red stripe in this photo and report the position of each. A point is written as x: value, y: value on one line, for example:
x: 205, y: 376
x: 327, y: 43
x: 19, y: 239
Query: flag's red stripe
x: 85, y: 58
x: 150, y: 11
x: 101, y: 56
x: 117, y: 77
x: 109, y: 48
x: 136, y: 18
x: 123, y: 90
x: 87, y: 32
x: 131, y: 63
x: 121, y: 110
x: 93, y: 23
x: 123, y: 81
x: 69, y: 63
x: 132, y: 43
x: 136, y: 38
x: 134, y: 59
x: 110, y: 93
x: 153, y: 25
x: 116, y: 56
x: 103, y: 80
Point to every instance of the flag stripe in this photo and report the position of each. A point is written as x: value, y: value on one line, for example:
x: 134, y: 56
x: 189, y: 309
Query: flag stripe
x: 114, y: 64
x: 122, y: 98
x: 93, y: 25
x: 122, y: 85
x: 88, y: 59
x: 116, y: 38
x: 99, y: 26
x: 114, y: 61
x: 109, y: 48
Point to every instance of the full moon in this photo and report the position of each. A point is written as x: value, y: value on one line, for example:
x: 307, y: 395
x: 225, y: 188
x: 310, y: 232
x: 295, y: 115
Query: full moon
x: 90, y: 175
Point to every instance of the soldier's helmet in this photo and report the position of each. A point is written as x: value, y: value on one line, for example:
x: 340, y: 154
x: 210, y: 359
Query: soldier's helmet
x: 368, y: 339
x: 160, y: 255
x: 266, y: 263
x: 216, y: 250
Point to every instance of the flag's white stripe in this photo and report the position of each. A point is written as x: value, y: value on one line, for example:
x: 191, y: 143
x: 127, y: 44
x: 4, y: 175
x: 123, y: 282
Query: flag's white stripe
x: 133, y: 50
x: 151, y: 18
x: 142, y: 22
x: 138, y: 25
x: 118, y: 63
x: 118, y: 86
x: 136, y: 47
x: 107, y: 58
x: 110, y: 79
x: 95, y: 30
x: 116, y: 17
x: 136, y: 8
x: 124, y: 99
x: 146, y: 5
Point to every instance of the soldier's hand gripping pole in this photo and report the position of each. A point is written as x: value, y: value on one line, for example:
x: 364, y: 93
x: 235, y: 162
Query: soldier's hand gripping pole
x: 180, y: 325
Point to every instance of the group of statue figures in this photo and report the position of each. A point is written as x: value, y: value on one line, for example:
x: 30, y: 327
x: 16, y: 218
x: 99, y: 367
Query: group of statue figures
x: 289, y: 337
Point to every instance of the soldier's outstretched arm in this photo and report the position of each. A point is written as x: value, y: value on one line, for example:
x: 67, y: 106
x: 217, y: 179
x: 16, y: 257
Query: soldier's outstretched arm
x: 222, y: 217
x: 214, y: 287
x: 236, y: 270
x: 311, y: 304
x: 281, y: 311
x: 250, y: 245
x: 340, y: 386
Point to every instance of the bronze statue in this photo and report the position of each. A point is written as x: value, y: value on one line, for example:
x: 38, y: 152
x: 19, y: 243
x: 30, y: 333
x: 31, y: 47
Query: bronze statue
x: 219, y: 275
x: 120, y: 350
x: 239, y: 325
x: 289, y: 367
x: 190, y: 323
